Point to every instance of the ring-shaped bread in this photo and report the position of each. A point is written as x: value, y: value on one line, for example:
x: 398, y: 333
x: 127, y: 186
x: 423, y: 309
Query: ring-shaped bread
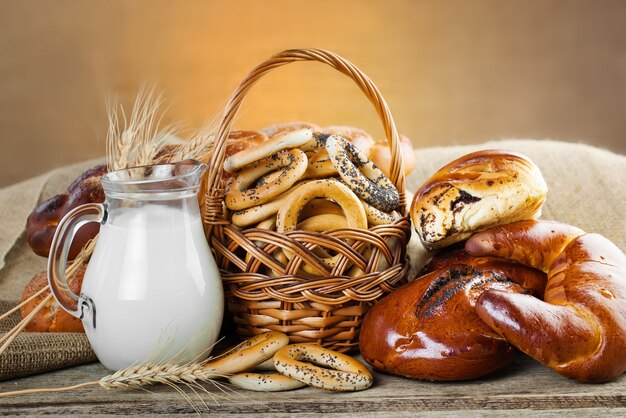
x: 323, y: 222
x: 290, y: 165
x: 275, y: 144
x: 361, y: 175
x: 248, y: 354
x: 378, y: 217
x: 287, y: 217
x: 320, y: 165
x: 281, y: 128
x: 265, y: 382
x: 256, y: 214
x: 320, y: 207
x: 344, y: 373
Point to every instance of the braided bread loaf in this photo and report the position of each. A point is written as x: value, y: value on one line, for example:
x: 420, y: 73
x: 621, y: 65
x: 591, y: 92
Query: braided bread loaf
x: 43, y: 221
x: 579, y: 329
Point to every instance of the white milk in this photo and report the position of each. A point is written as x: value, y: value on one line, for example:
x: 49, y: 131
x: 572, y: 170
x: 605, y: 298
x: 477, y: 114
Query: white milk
x: 156, y: 288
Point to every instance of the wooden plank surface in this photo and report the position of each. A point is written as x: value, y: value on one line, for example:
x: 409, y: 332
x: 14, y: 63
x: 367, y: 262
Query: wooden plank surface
x: 525, y: 387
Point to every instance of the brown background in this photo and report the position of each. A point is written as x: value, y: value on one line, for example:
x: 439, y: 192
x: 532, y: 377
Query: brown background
x: 452, y: 71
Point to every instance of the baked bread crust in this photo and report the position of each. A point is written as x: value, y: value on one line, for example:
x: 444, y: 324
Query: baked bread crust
x: 475, y: 192
x: 428, y: 329
x: 579, y: 329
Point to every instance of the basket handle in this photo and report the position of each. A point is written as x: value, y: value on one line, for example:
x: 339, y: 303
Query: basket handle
x: 212, y: 210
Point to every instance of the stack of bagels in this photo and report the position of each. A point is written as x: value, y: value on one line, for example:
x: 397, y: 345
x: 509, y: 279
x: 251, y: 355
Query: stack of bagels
x: 548, y: 289
x: 298, y: 176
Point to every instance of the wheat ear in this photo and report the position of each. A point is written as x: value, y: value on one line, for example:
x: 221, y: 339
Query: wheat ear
x: 136, y: 377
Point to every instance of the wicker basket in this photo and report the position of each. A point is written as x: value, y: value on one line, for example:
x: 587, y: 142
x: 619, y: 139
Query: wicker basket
x: 325, y: 310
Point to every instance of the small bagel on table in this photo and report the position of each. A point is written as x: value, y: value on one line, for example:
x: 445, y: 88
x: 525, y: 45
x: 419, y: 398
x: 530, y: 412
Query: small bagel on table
x: 475, y: 192
x: 344, y: 373
x: 256, y: 351
x: 265, y: 382
x: 247, y: 355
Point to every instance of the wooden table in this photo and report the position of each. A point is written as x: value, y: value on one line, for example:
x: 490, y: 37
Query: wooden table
x: 525, y: 387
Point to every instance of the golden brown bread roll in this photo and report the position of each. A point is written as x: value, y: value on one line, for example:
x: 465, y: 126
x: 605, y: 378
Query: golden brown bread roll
x: 531, y: 280
x: 543, y: 241
x: 281, y: 128
x: 579, y: 330
x: 428, y: 329
x: 240, y: 140
x: 380, y: 154
x: 51, y: 318
x: 357, y: 137
x: 477, y: 191
x: 43, y: 221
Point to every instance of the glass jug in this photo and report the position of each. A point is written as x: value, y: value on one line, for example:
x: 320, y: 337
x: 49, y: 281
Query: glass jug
x: 152, y: 291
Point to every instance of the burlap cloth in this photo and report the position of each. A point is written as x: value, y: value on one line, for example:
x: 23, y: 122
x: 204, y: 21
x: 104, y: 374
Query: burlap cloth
x: 587, y: 188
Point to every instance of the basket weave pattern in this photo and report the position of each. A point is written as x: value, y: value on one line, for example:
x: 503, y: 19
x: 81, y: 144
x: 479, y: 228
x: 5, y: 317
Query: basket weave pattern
x: 267, y: 292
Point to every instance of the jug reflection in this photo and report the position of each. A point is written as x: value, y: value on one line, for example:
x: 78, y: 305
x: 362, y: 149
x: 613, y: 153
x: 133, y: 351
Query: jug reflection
x: 152, y: 291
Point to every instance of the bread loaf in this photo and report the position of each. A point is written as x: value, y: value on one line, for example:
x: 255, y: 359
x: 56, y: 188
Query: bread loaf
x: 428, y: 329
x: 579, y: 329
x: 43, y: 221
x: 474, y: 192
x: 51, y: 318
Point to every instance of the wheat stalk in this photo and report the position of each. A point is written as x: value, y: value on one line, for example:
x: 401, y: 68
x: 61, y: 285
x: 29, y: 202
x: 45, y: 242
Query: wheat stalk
x: 137, y: 141
x: 189, y: 375
x: 199, y: 145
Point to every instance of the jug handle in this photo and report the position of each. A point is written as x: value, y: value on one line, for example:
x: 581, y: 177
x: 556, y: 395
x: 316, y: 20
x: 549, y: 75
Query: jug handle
x: 75, y: 305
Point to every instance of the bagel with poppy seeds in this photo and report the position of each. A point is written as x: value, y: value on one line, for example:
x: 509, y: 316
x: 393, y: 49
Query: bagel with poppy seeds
x: 288, y: 166
x: 475, y: 192
x: 284, y: 141
x: 428, y: 329
x: 579, y: 328
x: 361, y: 175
